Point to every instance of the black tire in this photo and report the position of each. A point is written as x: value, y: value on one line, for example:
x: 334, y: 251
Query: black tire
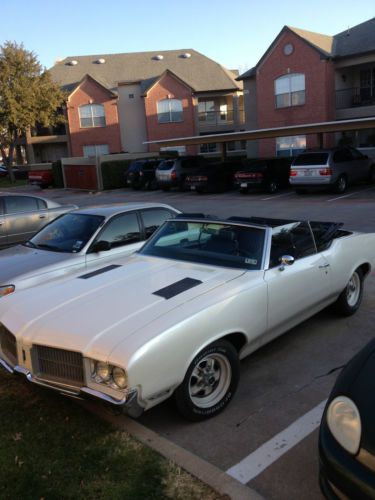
x: 165, y: 188
x: 301, y: 191
x: 152, y: 185
x: 244, y: 190
x: 272, y: 186
x: 351, y: 297
x: 340, y: 185
x: 210, y: 382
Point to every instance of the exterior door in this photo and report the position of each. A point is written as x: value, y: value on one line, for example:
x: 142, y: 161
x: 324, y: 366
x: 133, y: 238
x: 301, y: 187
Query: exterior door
x: 295, y: 290
x: 24, y: 217
x: 3, y: 233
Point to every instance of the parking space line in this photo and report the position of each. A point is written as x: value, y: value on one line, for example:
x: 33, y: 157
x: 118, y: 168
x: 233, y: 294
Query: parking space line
x: 255, y: 463
x: 277, y: 196
x: 350, y: 194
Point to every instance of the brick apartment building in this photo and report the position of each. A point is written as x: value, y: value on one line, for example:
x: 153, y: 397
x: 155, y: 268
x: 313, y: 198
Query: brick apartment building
x: 307, y: 77
x: 117, y: 102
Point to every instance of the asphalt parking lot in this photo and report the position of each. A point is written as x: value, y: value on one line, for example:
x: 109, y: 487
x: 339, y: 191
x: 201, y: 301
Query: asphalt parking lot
x: 267, y: 437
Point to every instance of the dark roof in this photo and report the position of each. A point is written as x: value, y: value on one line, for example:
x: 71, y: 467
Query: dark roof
x: 196, y: 70
x: 354, y: 41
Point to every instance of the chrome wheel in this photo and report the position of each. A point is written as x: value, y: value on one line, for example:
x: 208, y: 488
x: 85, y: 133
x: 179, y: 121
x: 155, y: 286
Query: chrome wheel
x: 210, y: 380
x: 353, y: 290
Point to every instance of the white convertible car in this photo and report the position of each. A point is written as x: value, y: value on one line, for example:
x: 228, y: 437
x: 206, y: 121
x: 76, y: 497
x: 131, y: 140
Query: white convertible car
x: 177, y: 316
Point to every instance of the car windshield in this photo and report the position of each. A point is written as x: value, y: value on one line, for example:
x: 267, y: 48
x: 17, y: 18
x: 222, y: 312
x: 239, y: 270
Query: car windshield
x: 311, y: 159
x: 218, y: 244
x: 69, y: 233
x: 166, y: 165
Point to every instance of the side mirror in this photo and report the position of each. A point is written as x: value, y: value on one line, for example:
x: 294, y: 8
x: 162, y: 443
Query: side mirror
x: 101, y: 246
x: 285, y: 260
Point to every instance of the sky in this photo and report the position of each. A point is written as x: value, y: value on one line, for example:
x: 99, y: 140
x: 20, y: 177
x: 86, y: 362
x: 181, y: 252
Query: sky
x: 233, y: 33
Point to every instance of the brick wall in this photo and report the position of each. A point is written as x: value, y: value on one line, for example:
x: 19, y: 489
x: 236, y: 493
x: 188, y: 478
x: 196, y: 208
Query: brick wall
x: 319, y: 89
x: 90, y: 92
x: 172, y: 88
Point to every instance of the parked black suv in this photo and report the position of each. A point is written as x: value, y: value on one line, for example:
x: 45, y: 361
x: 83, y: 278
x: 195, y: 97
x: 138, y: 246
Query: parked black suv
x: 266, y: 173
x: 141, y: 173
x: 213, y: 177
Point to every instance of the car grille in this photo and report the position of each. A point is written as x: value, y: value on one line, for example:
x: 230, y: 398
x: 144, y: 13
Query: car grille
x: 8, y: 344
x: 57, y: 365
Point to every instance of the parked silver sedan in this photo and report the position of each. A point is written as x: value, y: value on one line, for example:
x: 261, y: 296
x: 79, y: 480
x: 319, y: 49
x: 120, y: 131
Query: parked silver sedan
x: 79, y: 240
x: 21, y: 216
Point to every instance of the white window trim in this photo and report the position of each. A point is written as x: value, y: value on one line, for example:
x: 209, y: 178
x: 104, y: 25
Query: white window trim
x: 92, y: 115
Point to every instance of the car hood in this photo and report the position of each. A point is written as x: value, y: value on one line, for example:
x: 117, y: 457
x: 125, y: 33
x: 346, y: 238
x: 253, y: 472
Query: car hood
x: 94, y: 312
x: 22, y: 260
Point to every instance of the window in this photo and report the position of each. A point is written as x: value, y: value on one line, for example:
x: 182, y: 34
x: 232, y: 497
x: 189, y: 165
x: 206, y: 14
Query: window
x: 152, y: 219
x: 122, y: 230
x: 290, y: 90
x: 92, y: 115
x: 293, y: 239
x: 209, y: 148
x: 342, y: 155
x: 206, y: 111
x: 96, y: 150
x: 18, y: 204
x: 169, y: 111
x: 290, y: 146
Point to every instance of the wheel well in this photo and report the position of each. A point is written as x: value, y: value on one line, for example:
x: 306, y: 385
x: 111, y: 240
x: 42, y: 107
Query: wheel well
x: 238, y: 340
x: 365, y: 268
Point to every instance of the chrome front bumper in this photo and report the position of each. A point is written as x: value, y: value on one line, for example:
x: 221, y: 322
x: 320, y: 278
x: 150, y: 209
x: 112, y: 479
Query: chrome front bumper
x: 129, y: 404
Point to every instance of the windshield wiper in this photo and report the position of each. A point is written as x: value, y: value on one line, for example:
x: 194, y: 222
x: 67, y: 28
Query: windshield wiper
x: 45, y: 246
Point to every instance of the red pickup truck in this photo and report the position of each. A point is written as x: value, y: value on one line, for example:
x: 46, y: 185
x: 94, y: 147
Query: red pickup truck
x: 42, y: 178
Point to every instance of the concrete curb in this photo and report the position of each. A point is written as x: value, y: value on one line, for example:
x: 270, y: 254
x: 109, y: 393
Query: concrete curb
x: 217, y: 479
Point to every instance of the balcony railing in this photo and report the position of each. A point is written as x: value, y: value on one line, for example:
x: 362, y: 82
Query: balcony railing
x: 354, y: 97
x: 217, y: 118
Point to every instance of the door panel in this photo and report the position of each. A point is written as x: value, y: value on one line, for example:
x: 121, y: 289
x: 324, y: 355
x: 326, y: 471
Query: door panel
x: 298, y: 288
x: 23, y: 217
x: 3, y: 233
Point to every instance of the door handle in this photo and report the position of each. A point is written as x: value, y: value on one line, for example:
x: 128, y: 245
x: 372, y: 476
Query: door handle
x: 42, y: 216
x: 324, y: 266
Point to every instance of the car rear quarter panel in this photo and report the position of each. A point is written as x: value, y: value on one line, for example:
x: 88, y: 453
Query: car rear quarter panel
x: 348, y: 253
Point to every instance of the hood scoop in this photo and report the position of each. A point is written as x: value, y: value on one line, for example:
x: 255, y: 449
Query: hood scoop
x: 176, y: 288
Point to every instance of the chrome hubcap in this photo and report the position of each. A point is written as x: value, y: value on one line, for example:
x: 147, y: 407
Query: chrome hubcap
x: 210, y: 380
x: 353, y: 290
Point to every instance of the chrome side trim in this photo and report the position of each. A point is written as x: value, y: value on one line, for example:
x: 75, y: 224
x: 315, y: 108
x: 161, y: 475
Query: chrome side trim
x: 5, y: 365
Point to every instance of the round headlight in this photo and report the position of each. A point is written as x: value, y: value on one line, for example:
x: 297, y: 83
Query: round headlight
x: 344, y: 422
x: 103, y: 371
x: 119, y: 377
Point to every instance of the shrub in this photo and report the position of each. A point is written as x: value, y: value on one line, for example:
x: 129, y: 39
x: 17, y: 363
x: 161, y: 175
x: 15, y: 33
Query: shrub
x: 113, y: 173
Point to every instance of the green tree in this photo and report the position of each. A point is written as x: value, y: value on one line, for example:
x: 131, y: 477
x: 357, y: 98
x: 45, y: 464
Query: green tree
x: 28, y: 96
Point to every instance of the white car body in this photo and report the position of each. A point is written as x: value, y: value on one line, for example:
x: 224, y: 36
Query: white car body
x: 134, y: 317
